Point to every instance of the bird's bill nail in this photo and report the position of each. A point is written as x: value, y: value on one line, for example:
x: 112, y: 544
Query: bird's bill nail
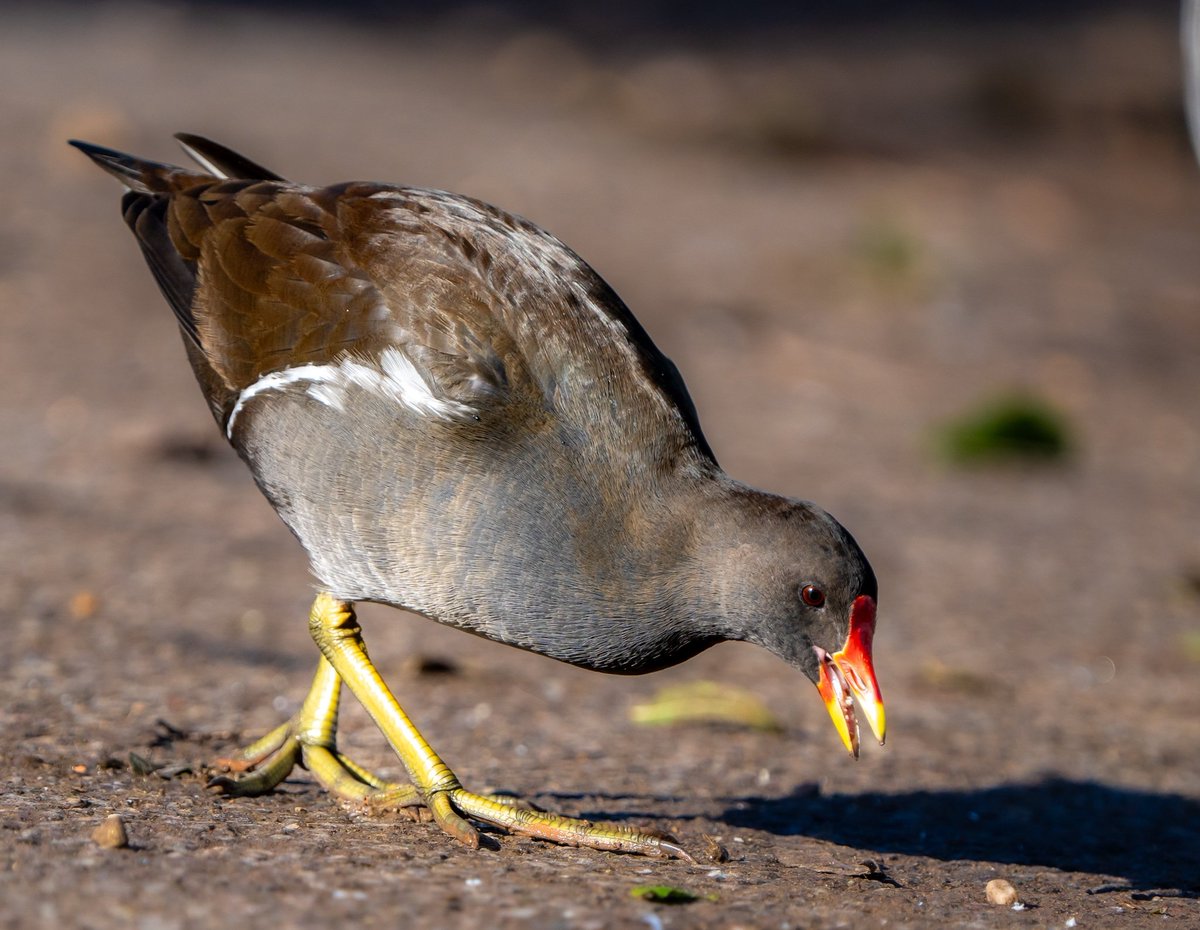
x: 854, y: 662
x: 832, y: 686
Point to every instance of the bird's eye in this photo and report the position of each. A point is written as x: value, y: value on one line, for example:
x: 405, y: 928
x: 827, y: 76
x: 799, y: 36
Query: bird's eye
x: 812, y: 595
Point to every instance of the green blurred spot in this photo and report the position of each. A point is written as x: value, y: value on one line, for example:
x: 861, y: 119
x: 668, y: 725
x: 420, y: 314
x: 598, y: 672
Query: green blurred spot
x: 704, y: 702
x: 887, y: 250
x: 1190, y: 641
x: 666, y: 894
x: 1016, y: 427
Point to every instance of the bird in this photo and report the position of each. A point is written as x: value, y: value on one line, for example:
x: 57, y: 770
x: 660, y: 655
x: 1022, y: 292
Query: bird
x: 456, y: 415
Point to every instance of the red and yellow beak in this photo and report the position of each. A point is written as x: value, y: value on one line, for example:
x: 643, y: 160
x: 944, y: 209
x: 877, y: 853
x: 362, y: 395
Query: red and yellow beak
x: 850, y: 673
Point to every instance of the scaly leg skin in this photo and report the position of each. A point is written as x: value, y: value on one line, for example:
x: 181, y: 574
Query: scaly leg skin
x: 308, y: 739
x: 337, y: 634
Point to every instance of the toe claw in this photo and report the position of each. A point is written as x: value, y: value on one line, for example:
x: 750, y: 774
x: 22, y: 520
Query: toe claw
x: 223, y: 784
x: 443, y: 810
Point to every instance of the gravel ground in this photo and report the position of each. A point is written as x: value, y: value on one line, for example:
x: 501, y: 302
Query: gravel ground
x: 843, y: 242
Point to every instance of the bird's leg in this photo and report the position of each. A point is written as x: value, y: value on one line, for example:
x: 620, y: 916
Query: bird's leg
x: 337, y: 634
x: 309, y: 740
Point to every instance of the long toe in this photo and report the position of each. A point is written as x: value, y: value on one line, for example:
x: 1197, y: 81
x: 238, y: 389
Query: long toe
x: 568, y: 831
x: 269, y: 772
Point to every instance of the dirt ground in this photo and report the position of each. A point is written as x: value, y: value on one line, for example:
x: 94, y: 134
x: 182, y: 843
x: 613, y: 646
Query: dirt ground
x: 843, y: 240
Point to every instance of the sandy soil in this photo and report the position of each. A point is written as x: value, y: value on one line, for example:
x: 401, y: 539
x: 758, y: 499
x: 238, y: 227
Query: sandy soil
x: 842, y: 243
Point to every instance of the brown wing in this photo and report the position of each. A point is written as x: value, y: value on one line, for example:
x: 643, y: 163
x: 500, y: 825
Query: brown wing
x: 276, y: 286
x: 461, y: 273
x: 486, y: 305
x: 264, y: 275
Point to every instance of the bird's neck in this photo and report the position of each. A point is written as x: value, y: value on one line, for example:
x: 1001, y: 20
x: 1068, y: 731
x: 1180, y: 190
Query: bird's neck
x: 730, y: 540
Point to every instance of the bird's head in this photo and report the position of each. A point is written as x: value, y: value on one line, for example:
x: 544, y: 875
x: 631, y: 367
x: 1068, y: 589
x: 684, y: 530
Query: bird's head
x: 798, y: 585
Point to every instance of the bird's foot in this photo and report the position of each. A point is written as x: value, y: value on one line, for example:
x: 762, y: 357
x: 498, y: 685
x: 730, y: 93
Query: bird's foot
x: 308, y: 740
x: 264, y: 764
x: 507, y: 814
x: 336, y: 632
x: 400, y: 798
x: 259, y: 767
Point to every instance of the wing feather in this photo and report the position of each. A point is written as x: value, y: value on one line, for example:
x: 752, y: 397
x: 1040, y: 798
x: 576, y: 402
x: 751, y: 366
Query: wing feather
x: 485, y: 307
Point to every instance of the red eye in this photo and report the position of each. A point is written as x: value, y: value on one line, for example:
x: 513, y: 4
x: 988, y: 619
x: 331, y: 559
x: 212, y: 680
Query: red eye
x: 812, y: 595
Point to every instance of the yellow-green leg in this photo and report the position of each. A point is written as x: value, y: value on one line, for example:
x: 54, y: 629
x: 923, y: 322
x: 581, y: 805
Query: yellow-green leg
x: 337, y: 634
x: 309, y: 740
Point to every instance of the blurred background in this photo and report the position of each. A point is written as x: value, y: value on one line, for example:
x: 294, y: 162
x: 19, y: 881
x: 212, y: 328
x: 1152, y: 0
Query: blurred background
x: 932, y: 267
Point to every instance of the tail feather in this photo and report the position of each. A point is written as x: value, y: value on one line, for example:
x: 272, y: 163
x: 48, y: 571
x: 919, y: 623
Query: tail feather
x: 154, y: 191
x: 152, y: 177
x: 140, y: 174
x: 222, y: 162
x: 145, y: 205
x: 175, y: 275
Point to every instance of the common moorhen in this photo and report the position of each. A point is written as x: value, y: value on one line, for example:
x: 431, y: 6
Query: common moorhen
x: 455, y: 415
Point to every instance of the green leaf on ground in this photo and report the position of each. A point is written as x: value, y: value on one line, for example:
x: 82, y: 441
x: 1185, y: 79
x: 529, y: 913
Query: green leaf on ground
x: 704, y: 702
x: 1013, y: 427
x: 667, y: 894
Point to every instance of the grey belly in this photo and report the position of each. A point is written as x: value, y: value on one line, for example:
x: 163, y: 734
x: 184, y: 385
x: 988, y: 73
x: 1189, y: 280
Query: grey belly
x: 432, y: 517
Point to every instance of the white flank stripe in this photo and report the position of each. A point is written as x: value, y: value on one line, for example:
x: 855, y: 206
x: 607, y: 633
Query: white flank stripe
x: 329, y: 394
x: 275, y: 381
x: 396, y: 379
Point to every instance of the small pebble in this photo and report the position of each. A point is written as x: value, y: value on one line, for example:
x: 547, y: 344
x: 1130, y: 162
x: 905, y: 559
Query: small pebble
x: 714, y: 851
x: 111, y: 833
x: 1000, y: 891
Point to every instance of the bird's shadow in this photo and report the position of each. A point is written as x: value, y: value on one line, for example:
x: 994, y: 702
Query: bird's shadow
x: 1150, y: 840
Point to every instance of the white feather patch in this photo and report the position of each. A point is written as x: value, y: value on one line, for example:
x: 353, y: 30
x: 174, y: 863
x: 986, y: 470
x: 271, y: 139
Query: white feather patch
x: 395, y: 378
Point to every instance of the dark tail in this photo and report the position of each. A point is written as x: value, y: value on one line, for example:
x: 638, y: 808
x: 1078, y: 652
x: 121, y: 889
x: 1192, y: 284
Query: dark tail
x: 163, y: 198
x: 139, y: 174
x: 152, y: 177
